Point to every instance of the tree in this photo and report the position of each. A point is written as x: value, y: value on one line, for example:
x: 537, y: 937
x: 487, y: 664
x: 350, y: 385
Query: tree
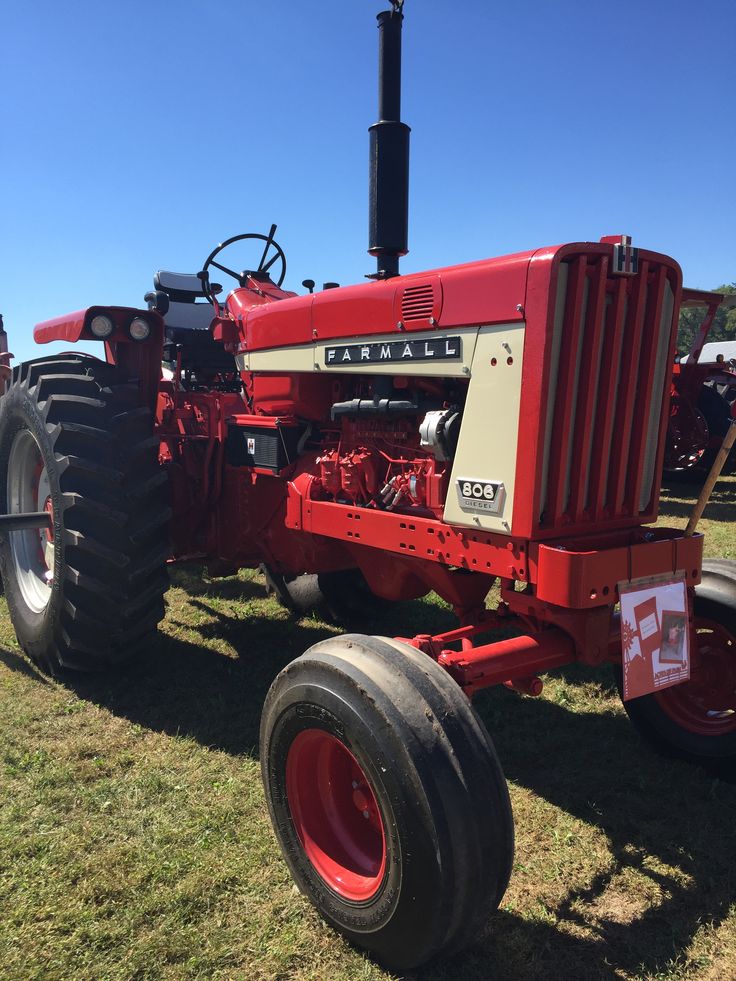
x: 724, y: 323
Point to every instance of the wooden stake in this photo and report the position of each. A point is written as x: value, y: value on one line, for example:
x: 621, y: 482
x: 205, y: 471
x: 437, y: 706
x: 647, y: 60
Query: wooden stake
x: 715, y: 473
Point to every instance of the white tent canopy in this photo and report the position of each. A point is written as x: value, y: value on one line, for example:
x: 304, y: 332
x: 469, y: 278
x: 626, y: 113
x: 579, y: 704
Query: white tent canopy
x: 714, y: 348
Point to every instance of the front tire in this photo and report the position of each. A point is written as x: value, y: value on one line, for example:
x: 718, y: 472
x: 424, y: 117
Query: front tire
x: 387, y: 797
x: 76, y: 441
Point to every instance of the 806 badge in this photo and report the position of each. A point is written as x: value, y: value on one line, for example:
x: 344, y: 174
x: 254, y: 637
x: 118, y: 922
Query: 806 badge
x: 481, y: 495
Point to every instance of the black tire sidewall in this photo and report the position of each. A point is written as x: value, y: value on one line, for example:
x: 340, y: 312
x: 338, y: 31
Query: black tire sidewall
x: 407, y: 901
x: 35, y: 631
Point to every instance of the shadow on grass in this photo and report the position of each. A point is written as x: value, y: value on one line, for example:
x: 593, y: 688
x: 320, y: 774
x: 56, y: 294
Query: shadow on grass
x: 16, y: 662
x: 186, y: 689
x: 721, y: 504
x: 714, y: 510
x: 665, y: 821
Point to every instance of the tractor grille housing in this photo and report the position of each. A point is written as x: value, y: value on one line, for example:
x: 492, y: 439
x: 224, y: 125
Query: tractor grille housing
x: 609, y: 366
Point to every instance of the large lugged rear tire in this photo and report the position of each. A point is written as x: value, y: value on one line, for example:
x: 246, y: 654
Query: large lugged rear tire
x: 76, y: 441
x: 696, y: 720
x: 387, y: 797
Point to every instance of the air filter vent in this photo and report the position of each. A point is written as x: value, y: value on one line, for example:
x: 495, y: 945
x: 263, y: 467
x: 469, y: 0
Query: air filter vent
x: 419, y: 306
x: 417, y: 303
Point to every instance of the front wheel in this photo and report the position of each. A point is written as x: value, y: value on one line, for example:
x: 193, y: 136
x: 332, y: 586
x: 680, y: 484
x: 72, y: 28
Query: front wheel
x: 387, y: 797
x: 696, y: 720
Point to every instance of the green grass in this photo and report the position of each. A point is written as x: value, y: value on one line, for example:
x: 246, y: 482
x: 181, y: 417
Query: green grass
x: 134, y: 841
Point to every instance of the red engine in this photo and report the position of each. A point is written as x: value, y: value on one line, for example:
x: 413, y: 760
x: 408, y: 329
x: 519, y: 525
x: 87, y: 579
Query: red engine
x: 381, y: 463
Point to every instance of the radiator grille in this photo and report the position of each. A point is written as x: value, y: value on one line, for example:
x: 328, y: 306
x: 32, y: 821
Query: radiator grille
x: 417, y: 302
x: 609, y: 364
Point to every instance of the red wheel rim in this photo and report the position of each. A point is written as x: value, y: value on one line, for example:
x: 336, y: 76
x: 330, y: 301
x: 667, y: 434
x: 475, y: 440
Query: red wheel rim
x: 335, y: 815
x: 49, y: 509
x: 706, y: 704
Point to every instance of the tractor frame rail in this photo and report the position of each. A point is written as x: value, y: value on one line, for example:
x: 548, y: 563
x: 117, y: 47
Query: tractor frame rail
x: 581, y: 625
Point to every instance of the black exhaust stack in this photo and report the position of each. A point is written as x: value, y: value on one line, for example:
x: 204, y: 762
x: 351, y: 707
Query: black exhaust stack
x: 388, y: 205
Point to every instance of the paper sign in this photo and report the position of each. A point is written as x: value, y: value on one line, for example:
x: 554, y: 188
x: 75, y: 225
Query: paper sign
x: 648, y: 626
x: 655, y: 636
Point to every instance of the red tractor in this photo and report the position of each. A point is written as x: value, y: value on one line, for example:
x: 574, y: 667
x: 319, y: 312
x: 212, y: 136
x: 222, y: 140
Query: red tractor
x: 498, y: 422
x: 703, y: 403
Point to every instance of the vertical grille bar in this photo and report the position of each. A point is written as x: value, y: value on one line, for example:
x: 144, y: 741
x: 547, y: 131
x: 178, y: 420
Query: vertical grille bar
x: 609, y: 354
x: 626, y: 397
x: 558, y: 330
x: 645, y: 389
x: 587, y: 389
x: 606, y: 408
x: 565, y: 396
x: 659, y: 412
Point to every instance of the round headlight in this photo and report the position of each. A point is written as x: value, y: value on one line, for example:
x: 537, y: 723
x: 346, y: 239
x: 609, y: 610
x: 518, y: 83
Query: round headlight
x: 101, y: 326
x: 139, y: 329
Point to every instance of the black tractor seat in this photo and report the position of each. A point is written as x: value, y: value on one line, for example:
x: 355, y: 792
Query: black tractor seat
x: 180, y: 300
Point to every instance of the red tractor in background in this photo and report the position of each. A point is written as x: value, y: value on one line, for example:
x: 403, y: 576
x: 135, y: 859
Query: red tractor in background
x: 703, y: 398
x: 498, y: 422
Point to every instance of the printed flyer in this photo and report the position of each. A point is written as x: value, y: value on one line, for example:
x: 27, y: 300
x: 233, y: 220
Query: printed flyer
x: 655, y: 636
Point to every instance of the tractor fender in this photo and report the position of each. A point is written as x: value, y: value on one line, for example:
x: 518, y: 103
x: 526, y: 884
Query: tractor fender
x: 73, y: 326
x: 66, y: 328
x: 718, y: 582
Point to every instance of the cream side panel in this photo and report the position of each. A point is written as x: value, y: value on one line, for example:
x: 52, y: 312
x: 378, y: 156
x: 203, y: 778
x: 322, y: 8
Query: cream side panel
x: 280, y: 359
x: 313, y: 357
x: 489, y: 433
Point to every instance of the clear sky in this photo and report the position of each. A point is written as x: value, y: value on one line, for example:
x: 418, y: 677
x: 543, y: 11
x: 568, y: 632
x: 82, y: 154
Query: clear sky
x: 136, y: 135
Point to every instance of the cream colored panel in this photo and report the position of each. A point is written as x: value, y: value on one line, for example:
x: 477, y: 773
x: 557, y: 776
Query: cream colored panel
x: 284, y: 360
x: 313, y: 357
x: 486, y: 451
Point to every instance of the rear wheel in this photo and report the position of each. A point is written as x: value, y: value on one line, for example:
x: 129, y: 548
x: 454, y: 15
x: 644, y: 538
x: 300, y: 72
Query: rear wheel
x: 717, y: 411
x: 75, y: 441
x: 696, y: 720
x: 387, y: 797
x: 342, y: 597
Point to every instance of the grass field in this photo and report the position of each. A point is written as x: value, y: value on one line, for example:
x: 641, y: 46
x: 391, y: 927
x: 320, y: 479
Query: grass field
x: 134, y: 841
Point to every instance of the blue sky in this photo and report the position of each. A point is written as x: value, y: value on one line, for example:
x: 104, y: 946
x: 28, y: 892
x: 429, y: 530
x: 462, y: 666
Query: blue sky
x: 135, y: 136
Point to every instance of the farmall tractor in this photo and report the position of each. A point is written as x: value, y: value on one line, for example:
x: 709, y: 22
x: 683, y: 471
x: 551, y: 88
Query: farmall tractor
x: 703, y: 404
x: 498, y: 422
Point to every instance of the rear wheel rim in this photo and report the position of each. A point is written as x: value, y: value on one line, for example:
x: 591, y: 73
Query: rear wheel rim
x: 706, y: 704
x: 32, y: 549
x: 336, y: 815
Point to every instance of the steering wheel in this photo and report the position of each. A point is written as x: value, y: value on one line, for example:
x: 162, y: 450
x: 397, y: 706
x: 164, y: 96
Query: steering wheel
x: 263, y: 266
